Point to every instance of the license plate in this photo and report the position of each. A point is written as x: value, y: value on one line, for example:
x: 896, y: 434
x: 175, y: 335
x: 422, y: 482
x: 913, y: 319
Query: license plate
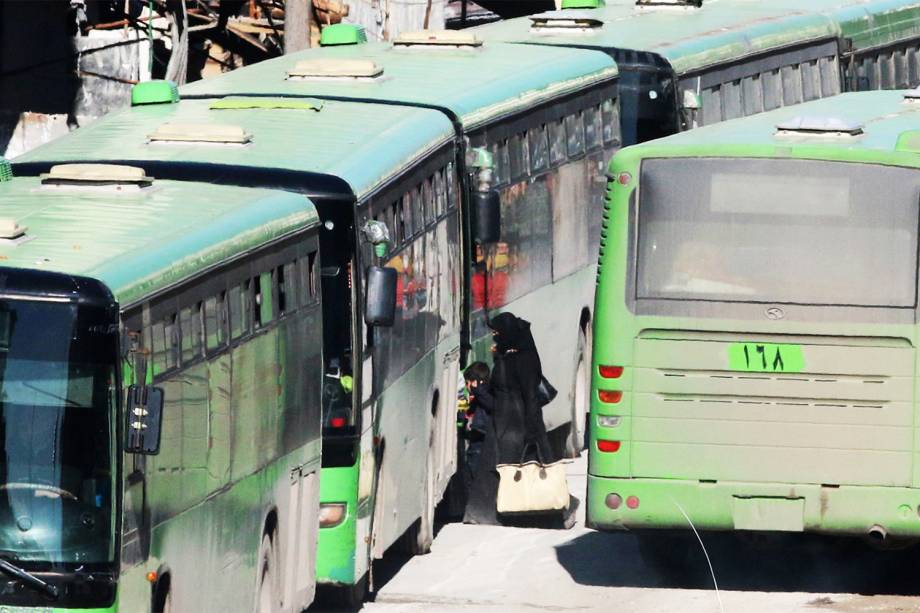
x: 765, y: 357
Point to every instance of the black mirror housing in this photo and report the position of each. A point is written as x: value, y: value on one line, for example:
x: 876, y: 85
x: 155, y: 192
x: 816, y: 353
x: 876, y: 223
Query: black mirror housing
x: 487, y: 217
x: 380, y: 296
x: 143, y: 419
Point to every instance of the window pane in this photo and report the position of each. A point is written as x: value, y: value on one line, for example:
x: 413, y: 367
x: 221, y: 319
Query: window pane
x: 575, y: 133
x: 237, y: 326
x: 778, y: 231
x: 159, y: 344
x: 792, y: 85
x: 172, y: 341
x: 592, y: 127
x: 290, y: 286
x: 211, y: 324
x: 752, y: 93
x: 539, y: 149
x: 611, y: 117
x: 516, y: 146
x: 772, y: 90
x: 556, y: 142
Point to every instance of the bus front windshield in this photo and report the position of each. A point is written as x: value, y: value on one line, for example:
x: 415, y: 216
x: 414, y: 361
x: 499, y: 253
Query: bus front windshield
x: 778, y: 231
x: 57, y: 412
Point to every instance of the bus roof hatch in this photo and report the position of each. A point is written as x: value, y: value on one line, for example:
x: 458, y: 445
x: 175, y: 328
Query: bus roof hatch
x: 565, y: 21
x: 830, y: 126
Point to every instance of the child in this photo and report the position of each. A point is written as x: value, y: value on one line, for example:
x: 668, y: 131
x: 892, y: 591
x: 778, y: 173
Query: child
x: 479, y: 416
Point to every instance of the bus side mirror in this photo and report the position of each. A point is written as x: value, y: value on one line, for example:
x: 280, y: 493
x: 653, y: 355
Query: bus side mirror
x: 380, y: 297
x: 144, y: 418
x: 487, y: 217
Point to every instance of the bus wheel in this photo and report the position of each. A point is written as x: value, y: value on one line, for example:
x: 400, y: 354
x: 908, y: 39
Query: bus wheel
x: 581, y: 392
x: 269, y: 600
x: 418, y: 538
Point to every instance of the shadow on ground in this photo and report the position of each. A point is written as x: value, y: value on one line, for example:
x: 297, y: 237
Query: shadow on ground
x: 753, y: 562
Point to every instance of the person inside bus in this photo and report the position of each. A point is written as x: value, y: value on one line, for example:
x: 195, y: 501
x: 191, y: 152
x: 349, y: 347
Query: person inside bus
x: 517, y: 417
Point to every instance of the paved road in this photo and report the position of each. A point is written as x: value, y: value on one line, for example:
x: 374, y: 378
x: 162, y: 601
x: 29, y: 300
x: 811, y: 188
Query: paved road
x: 485, y: 569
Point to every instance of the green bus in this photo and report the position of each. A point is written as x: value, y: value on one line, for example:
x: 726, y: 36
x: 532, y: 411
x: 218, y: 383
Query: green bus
x: 683, y: 66
x: 322, y: 150
x: 545, y: 121
x: 755, y: 337
x: 160, y: 360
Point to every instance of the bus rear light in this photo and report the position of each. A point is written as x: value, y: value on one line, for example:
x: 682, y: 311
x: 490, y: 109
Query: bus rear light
x: 624, y: 178
x: 337, y: 422
x: 331, y: 514
x: 632, y: 502
x: 608, y: 421
x: 608, y: 446
x: 610, y: 372
x: 610, y: 396
x: 613, y: 501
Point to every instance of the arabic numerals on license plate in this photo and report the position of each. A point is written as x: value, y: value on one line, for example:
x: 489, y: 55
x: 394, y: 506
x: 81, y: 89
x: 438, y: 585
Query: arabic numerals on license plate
x: 765, y: 357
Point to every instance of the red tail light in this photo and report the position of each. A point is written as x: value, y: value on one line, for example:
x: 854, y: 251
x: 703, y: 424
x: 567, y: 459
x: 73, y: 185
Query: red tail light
x: 610, y: 396
x: 632, y: 502
x: 338, y: 422
x: 610, y: 372
x: 608, y: 446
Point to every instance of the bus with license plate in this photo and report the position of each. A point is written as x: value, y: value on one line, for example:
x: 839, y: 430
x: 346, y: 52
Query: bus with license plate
x: 160, y: 346
x: 755, y: 340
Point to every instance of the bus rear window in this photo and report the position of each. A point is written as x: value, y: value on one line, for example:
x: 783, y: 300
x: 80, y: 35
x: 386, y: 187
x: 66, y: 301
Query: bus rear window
x: 778, y: 231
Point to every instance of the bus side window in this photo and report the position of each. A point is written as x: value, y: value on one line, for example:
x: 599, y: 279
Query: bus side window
x: 593, y: 127
x: 428, y: 201
x: 556, y: 142
x: 158, y: 345
x: 452, y: 188
x: 172, y: 341
x: 752, y: 94
x: 712, y: 105
x: 611, y: 121
x: 190, y: 331
x: 575, y: 134
x: 792, y: 85
x: 239, y: 310
x: 440, y: 194
x: 287, y: 287
x: 811, y: 80
x: 772, y: 90
x: 517, y: 145
x: 263, y: 298
x: 539, y: 149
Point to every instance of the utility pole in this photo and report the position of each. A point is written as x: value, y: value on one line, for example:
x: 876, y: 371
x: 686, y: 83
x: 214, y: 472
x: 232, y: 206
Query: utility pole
x: 296, y: 25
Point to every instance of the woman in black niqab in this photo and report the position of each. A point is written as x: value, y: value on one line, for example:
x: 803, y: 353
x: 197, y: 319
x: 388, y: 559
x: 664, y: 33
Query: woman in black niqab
x: 517, y: 416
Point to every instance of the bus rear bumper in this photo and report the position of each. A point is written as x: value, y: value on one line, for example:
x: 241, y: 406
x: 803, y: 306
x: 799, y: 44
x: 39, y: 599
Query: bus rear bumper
x: 674, y: 504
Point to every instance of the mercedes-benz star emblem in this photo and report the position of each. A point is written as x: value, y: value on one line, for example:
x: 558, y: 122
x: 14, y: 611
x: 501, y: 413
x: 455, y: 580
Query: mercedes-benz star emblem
x: 775, y: 313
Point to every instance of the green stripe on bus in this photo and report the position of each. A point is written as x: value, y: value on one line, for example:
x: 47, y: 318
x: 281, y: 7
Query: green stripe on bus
x: 765, y: 357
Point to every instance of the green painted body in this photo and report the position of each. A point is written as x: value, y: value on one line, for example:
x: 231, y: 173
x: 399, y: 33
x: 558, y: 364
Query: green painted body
x: 722, y: 30
x: 225, y: 461
x: 745, y: 454
x: 477, y: 85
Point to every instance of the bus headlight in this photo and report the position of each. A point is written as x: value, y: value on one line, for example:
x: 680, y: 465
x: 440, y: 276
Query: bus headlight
x: 331, y: 514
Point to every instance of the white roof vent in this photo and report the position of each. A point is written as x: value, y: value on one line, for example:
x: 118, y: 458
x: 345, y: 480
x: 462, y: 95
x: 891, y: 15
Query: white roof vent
x: 912, y: 95
x: 216, y: 133
x: 10, y: 230
x: 330, y: 68
x: 565, y: 21
x: 96, y: 174
x: 437, y: 38
x: 828, y: 126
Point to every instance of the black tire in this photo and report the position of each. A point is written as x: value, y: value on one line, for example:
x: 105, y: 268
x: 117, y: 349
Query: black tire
x: 346, y: 597
x: 268, y: 599
x: 581, y: 394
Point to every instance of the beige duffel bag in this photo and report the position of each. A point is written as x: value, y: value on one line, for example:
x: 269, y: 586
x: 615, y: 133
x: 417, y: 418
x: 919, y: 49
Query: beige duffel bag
x: 532, y: 487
